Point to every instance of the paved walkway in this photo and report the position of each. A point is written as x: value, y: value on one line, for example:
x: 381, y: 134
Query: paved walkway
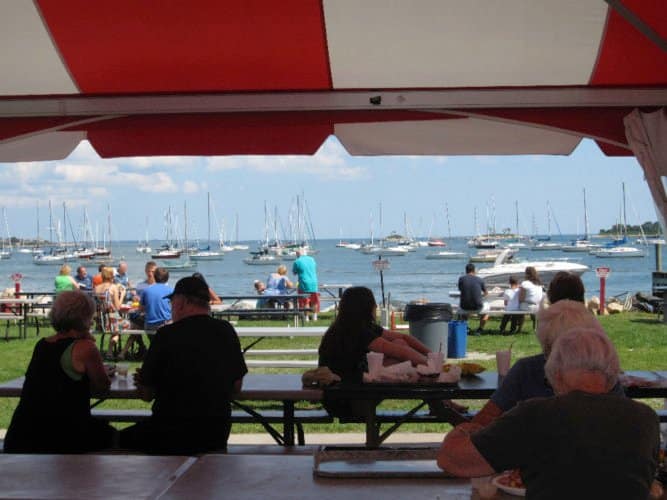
x: 342, y: 438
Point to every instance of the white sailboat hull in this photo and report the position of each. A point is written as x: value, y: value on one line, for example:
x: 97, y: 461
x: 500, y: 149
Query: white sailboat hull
x: 207, y: 256
x: 619, y: 252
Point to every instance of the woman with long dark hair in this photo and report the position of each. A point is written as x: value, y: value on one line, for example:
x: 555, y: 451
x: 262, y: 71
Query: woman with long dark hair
x: 354, y: 333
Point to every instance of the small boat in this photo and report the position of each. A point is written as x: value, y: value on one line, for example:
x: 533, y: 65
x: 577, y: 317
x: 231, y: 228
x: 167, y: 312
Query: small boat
x: 262, y: 259
x: 207, y: 255
x: 179, y: 266
x: 580, y: 246
x: 489, y: 255
x: 144, y: 249
x: 445, y: 255
x: 619, y: 252
x: 543, y: 246
x: 436, y: 242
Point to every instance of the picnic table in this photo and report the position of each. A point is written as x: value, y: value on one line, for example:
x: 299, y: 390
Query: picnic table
x: 18, y: 309
x: 229, y: 307
x: 287, y: 389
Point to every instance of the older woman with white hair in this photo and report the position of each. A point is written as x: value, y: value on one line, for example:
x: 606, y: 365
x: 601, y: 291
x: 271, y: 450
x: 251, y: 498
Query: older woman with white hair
x: 583, y: 440
x: 53, y: 415
x: 526, y: 379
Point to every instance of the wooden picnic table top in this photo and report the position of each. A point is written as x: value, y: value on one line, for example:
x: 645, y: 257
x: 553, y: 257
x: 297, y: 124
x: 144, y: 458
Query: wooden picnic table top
x: 279, y: 386
x: 88, y: 476
x: 288, y: 476
x: 272, y: 387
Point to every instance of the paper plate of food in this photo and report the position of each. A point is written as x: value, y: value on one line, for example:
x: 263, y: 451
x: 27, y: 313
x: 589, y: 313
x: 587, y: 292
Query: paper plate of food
x: 510, y: 482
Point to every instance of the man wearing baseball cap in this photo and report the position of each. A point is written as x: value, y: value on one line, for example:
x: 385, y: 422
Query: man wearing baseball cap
x: 191, y: 370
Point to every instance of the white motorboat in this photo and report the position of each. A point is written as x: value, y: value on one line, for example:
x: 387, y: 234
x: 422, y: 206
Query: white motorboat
x: 619, y: 252
x: 207, y: 255
x: 501, y: 270
x: 395, y: 251
x: 144, y: 249
x: 348, y: 245
x: 262, y: 259
x: 546, y: 245
x: 445, y: 255
x: 580, y: 246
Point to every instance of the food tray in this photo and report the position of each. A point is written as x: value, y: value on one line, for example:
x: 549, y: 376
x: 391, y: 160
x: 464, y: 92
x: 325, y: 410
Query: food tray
x: 355, y: 462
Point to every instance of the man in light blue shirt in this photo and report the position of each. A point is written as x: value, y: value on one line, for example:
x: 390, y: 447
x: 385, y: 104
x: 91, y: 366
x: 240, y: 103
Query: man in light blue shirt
x: 305, y: 269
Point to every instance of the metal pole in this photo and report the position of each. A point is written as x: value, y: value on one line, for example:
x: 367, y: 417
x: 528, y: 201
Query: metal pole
x: 382, y: 283
x: 603, y: 282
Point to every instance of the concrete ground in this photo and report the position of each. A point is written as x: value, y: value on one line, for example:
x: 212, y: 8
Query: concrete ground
x: 341, y: 438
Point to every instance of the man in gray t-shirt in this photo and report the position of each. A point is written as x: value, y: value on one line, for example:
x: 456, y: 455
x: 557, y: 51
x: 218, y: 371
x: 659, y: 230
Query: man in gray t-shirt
x: 472, y: 290
x: 581, y: 443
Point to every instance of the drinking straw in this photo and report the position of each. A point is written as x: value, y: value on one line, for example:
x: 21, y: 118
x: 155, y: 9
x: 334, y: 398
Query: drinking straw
x: 440, y: 348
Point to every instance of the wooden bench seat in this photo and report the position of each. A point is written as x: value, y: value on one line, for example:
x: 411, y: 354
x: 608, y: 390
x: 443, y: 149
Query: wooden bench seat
x: 314, y: 416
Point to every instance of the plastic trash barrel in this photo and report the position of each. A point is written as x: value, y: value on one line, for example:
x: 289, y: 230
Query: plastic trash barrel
x: 457, y: 338
x: 428, y: 323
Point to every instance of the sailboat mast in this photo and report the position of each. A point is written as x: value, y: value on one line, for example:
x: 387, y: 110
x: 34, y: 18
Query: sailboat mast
x: 109, y: 224
x: 208, y: 216
x: 625, y: 221
x: 37, y: 224
x: 50, y: 224
x: 516, y: 210
x: 585, y: 217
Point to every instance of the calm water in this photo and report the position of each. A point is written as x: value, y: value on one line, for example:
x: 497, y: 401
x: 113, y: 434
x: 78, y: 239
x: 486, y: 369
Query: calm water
x: 410, y: 277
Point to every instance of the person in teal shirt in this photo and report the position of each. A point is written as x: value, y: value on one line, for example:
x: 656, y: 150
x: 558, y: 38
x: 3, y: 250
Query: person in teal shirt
x: 64, y: 281
x: 305, y: 269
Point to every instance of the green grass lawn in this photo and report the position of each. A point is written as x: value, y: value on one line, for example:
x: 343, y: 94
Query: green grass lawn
x: 640, y: 339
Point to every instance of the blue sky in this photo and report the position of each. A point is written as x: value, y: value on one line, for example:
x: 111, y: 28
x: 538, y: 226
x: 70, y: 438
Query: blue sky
x: 343, y: 193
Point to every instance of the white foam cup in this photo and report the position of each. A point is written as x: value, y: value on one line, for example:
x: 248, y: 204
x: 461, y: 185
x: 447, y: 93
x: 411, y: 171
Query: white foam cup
x: 122, y: 369
x: 435, y: 361
x: 375, y: 360
x: 503, y: 359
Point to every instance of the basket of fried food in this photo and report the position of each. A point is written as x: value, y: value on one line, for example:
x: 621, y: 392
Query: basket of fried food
x: 467, y: 369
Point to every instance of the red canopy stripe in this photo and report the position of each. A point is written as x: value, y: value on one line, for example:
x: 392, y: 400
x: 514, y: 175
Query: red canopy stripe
x: 626, y: 56
x: 127, y: 46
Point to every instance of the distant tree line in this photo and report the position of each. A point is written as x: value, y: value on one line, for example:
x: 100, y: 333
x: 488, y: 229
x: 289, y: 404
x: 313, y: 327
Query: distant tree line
x: 649, y: 228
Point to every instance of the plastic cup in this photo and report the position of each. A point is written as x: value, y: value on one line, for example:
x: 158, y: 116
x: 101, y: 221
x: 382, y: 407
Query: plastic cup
x: 375, y: 360
x: 122, y: 369
x: 503, y: 359
x: 435, y: 361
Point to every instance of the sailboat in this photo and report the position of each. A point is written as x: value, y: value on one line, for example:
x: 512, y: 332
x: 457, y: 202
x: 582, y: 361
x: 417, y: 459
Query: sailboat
x: 206, y: 253
x: 262, y: 256
x: 582, y: 244
x: 6, y: 250
x: 237, y: 245
x: 53, y: 257
x: 545, y: 243
x: 182, y: 265
x: 144, y: 246
x: 168, y: 250
x: 618, y: 247
x: 446, y: 254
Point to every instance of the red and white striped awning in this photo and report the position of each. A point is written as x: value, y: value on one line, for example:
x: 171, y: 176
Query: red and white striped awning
x: 216, y: 77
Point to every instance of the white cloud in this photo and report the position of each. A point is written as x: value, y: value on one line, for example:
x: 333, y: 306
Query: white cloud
x: 190, y: 187
x: 330, y: 162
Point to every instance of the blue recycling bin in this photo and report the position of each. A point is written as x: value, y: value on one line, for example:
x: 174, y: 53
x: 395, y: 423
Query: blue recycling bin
x: 457, y: 338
